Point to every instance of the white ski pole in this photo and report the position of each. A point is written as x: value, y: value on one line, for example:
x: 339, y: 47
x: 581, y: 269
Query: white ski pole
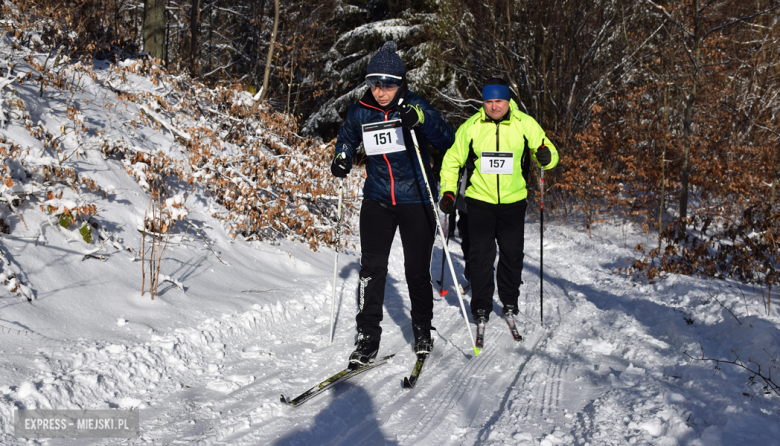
x: 444, y: 240
x: 442, y: 292
x: 336, y: 262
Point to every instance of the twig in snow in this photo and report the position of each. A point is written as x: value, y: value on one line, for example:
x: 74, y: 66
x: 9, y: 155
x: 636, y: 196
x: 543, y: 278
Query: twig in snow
x: 92, y: 256
x: 715, y: 297
x: 207, y: 243
x: 178, y: 284
x: 3, y: 328
x: 744, y: 299
x: 183, y: 135
x: 260, y: 291
x: 8, y: 200
x: 99, y: 248
x: 769, y: 385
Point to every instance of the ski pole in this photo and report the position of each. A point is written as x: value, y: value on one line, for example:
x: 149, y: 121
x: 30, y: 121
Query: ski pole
x: 541, y: 251
x: 442, y: 292
x: 449, y: 220
x: 441, y: 233
x: 336, y: 262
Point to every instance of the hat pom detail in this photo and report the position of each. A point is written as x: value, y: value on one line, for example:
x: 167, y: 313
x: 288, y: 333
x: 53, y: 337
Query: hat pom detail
x: 390, y: 47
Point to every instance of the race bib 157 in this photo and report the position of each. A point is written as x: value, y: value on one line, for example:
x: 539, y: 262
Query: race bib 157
x: 497, y: 163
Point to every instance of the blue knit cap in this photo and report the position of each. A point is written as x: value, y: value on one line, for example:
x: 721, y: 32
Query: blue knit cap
x: 495, y: 91
x: 387, y: 62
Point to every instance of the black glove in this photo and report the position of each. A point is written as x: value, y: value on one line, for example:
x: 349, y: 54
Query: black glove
x: 411, y: 115
x: 340, y: 166
x: 447, y: 203
x: 543, y: 155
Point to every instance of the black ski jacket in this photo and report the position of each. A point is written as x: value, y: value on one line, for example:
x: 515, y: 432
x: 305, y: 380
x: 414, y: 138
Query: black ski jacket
x: 395, y: 178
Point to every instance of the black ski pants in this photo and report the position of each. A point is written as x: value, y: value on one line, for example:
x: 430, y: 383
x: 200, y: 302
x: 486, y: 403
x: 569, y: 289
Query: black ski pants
x: 488, y: 224
x: 378, y: 223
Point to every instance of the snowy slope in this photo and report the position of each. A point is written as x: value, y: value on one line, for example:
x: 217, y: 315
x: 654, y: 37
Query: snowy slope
x: 242, y: 322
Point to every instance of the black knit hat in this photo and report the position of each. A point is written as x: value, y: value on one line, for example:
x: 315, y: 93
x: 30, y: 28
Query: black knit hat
x: 387, y: 62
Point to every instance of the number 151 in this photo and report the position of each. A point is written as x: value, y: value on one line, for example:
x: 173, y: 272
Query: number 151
x: 382, y: 138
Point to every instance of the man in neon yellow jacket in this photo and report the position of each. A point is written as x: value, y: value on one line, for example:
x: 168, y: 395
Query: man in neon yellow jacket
x: 497, y: 146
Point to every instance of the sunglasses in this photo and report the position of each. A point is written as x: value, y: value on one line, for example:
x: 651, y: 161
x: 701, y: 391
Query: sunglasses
x: 383, y: 82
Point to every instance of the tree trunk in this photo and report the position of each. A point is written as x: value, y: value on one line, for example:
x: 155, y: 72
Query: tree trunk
x: 665, y: 126
x: 270, y: 51
x: 688, y: 116
x: 685, y: 169
x: 154, y: 28
x: 773, y: 189
x: 292, y: 73
x: 193, y: 47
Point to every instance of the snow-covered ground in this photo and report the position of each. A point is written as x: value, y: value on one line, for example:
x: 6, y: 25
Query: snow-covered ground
x: 207, y: 365
x: 240, y: 323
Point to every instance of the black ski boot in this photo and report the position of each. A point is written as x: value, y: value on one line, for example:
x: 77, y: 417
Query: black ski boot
x: 365, y: 352
x: 423, y: 342
x: 511, y: 310
x: 481, y: 317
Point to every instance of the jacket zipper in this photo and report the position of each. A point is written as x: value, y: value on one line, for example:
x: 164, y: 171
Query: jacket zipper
x: 389, y: 169
x: 498, y: 176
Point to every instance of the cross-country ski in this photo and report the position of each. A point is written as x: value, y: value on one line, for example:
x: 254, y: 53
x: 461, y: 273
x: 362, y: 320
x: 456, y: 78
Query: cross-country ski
x: 411, y: 380
x: 333, y: 381
x: 510, y: 321
x: 480, y: 335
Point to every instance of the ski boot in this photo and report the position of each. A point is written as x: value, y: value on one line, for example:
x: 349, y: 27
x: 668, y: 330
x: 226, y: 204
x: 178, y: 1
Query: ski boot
x: 481, y: 317
x: 423, y: 342
x: 510, y: 310
x: 365, y: 352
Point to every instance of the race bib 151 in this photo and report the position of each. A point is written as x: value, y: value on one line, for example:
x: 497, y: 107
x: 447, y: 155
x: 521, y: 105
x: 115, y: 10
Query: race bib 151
x: 383, y: 137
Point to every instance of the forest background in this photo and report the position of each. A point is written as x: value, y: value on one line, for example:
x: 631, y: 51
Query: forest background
x: 665, y: 112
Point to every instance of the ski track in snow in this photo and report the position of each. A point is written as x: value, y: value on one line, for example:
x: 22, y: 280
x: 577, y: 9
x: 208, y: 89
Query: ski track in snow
x: 575, y: 380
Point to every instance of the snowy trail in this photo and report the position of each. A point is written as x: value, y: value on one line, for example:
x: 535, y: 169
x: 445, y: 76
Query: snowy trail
x: 602, y: 369
x: 215, y: 392
x: 470, y: 395
x: 457, y: 397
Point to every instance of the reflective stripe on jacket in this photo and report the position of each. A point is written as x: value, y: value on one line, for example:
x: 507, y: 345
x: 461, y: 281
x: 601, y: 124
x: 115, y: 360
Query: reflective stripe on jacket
x: 520, y: 134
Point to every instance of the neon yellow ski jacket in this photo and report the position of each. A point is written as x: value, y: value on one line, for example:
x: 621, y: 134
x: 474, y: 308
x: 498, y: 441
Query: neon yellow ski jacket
x: 519, y: 134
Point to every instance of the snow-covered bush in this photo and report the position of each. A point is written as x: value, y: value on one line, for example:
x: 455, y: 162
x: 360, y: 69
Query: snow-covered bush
x: 745, y: 249
x: 264, y: 181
